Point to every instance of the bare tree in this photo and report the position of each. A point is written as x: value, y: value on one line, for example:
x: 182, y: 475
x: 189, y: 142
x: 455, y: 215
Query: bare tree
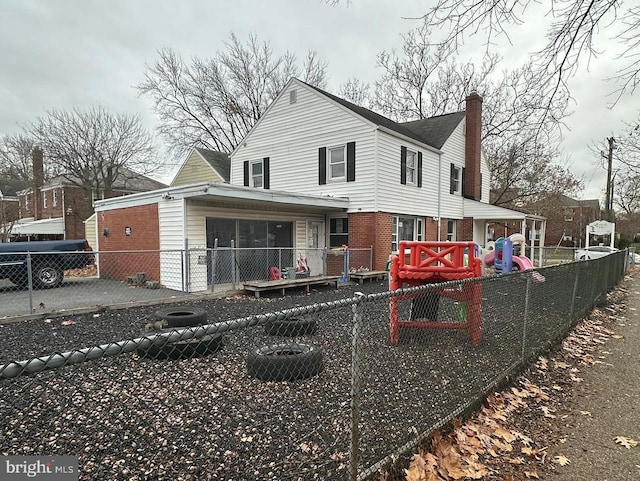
x: 214, y: 102
x: 15, y: 162
x: 94, y: 148
x: 573, y: 29
x: 520, y: 130
x: 356, y: 91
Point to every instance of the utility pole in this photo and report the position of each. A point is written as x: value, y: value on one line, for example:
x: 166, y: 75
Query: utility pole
x: 609, y: 201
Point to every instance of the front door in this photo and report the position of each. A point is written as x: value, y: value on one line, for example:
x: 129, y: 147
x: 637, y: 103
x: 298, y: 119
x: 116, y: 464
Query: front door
x: 316, y: 244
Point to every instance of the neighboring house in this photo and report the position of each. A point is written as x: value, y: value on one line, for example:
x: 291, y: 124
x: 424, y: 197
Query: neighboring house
x: 567, y: 219
x: 203, y: 165
x: 58, y: 208
x: 317, y: 171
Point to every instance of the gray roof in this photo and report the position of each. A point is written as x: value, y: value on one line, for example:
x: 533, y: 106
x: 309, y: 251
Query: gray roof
x: 127, y: 180
x: 433, y: 131
x: 219, y: 161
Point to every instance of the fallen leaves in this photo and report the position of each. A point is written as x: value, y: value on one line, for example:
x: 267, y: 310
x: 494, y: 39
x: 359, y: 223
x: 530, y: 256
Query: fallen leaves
x: 626, y: 442
x: 561, y: 460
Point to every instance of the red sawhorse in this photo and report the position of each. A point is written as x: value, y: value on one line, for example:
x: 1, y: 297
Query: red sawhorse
x: 432, y: 263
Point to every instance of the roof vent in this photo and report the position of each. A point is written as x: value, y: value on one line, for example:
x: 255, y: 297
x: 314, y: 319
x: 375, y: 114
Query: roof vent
x: 293, y: 96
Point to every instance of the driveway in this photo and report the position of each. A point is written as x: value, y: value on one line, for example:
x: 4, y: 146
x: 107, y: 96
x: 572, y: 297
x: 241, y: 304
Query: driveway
x: 76, y: 293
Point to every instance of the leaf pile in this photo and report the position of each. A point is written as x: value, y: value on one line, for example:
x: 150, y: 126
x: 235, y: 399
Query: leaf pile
x: 488, y: 446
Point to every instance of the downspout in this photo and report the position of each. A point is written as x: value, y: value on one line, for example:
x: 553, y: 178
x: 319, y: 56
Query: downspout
x: 439, y: 194
x: 375, y: 163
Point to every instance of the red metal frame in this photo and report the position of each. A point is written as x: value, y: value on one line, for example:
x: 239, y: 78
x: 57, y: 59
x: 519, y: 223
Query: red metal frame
x: 432, y: 263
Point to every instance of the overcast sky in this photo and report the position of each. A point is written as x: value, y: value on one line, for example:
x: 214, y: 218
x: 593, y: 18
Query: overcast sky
x: 63, y: 54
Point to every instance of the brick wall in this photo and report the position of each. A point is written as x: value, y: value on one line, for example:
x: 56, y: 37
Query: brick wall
x: 144, y: 236
x: 372, y: 229
x: 465, y: 229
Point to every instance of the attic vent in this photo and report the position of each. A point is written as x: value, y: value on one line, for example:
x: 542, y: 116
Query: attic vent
x: 293, y: 96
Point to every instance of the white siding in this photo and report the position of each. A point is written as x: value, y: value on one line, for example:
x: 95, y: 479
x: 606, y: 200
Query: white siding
x: 486, y: 180
x: 197, y: 213
x: 195, y: 169
x: 171, y: 225
x: 453, y: 153
x: 397, y: 198
x: 291, y: 134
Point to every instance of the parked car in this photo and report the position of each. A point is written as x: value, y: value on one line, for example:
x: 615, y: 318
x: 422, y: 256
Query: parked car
x: 594, y: 252
x: 48, y: 260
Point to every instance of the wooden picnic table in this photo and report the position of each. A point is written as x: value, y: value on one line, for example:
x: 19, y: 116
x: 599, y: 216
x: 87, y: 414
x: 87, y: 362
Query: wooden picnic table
x: 360, y: 276
x: 260, y: 286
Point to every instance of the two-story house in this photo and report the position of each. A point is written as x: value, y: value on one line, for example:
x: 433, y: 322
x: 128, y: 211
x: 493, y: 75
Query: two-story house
x: 58, y: 208
x: 317, y: 171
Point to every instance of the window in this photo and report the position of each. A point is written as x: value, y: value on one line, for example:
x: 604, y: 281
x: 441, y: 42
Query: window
x: 293, y: 96
x: 256, y: 174
x: 568, y: 215
x: 411, y: 167
x: 338, y: 231
x: 406, y: 229
x: 455, y: 185
x: 44, y: 200
x: 337, y: 162
x: 451, y: 230
x: 55, y: 198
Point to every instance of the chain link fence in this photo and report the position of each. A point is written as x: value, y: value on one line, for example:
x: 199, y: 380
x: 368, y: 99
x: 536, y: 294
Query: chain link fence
x: 321, y: 391
x: 41, y: 283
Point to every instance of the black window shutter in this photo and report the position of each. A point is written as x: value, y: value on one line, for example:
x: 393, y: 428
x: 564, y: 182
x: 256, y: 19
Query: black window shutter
x: 246, y: 173
x: 403, y: 165
x: 322, y: 165
x: 480, y: 184
x: 265, y: 172
x: 452, y: 187
x: 351, y: 162
x: 419, y: 169
x: 462, y: 182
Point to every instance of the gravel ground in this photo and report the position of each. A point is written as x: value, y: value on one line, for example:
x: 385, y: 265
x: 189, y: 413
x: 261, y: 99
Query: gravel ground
x: 133, y: 419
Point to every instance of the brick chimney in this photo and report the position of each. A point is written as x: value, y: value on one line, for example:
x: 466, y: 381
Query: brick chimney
x: 473, y: 135
x: 38, y: 180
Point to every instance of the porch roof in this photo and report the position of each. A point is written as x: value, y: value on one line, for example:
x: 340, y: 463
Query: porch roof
x: 482, y: 210
x: 42, y: 226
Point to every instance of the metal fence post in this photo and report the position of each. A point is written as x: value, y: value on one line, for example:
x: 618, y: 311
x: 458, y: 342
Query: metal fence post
x: 214, y: 256
x: 187, y: 266
x: 233, y: 264
x: 30, y: 282
x: 575, y: 290
x: 371, y: 258
x: 280, y: 259
x: 354, y: 445
x: 527, y: 303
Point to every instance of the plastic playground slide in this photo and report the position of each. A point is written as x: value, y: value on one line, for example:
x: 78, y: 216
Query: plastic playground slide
x: 522, y: 262
x: 489, y: 258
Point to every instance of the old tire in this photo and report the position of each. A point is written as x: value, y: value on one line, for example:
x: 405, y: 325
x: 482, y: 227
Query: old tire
x: 182, y: 349
x: 290, y: 327
x: 285, y: 362
x: 47, y: 276
x: 182, y: 316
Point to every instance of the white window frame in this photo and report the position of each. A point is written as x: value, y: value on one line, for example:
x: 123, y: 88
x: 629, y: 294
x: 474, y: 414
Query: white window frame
x: 452, y: 233
x: 330, y: 175
x: 253, y: 177
x: 418, y: 230
x: 457, y: 180
x: 54, y: 196
x: 44, y: 199
x: 411, y: 171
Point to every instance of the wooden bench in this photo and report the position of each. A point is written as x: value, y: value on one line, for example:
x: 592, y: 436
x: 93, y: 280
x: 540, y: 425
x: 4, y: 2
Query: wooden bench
x: 260, y: 286
x: 360, y: 276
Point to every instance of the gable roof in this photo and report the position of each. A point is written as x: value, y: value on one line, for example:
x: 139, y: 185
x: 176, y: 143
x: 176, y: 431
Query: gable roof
x: 127, y: 180
x: 219, y: 161
x: 433, y: 131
